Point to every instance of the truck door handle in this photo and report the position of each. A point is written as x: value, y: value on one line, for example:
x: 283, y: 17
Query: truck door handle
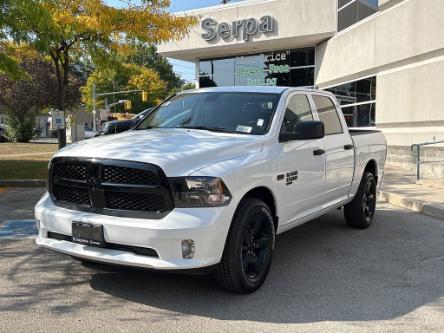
x: 318, y: 152
x: 348, y: 147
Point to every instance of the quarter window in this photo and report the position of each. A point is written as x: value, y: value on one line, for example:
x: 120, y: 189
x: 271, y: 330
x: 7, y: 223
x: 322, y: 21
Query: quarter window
x: 328, y: 114
x: 358, y: 101
x: 298, y: 109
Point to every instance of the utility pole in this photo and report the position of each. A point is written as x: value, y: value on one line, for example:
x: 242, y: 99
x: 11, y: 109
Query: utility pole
x: 94, y: 106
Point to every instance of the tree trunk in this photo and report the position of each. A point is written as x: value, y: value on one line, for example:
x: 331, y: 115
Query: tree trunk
x: 61, y: 62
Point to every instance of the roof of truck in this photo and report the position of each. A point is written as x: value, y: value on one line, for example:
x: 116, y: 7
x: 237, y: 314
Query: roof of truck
x: 259, y: 89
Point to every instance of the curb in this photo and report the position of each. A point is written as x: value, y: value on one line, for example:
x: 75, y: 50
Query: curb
x: 433, y: 210
x: 23, y: 183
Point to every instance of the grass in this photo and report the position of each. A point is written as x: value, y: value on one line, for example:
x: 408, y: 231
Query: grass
x: 25, y: 160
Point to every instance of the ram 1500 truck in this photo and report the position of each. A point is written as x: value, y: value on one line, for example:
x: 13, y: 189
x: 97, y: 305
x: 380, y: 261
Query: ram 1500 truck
x: 208, y: 179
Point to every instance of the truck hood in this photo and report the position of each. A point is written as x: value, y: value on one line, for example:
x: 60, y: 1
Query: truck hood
x: 178, y: 152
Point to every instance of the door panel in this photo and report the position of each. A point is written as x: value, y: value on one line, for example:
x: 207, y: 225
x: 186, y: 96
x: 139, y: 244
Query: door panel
x: 339, y: 156
x: 301, y: 173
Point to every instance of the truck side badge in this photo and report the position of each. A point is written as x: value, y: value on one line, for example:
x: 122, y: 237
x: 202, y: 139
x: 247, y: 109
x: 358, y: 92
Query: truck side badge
x: 291, y: 177
x: 281, y: 177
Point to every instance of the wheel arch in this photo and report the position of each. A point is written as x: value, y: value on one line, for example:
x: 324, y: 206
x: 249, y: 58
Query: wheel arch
x: 266, y: 195
x: 372, y: 167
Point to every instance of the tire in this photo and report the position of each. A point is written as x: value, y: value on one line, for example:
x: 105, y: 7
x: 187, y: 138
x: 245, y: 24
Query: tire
x: 360, y: 212
x: 248, y: 249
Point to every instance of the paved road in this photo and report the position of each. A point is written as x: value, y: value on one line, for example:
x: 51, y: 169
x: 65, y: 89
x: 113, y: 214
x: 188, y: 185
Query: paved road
x: 325, y: 278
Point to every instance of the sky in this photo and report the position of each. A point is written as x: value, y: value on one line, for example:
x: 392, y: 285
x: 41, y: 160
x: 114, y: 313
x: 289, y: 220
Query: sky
x: 186, y: 70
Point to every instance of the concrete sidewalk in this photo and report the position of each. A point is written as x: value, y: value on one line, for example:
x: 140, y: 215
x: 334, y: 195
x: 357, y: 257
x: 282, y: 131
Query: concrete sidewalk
x: 400, y: 188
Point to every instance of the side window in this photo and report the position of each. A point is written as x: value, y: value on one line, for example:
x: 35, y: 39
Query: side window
x: 328, y: 114
x: 298, y: 109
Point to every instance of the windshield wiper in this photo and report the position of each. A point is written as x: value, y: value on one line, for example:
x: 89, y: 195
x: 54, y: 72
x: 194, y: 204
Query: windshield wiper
x: 208, y: 128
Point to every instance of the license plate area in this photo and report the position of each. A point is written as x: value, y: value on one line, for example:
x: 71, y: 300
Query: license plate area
x: 88, y: 234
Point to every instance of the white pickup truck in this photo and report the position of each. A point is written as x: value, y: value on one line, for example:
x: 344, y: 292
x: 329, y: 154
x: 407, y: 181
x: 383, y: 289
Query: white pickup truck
x: 208, y: 179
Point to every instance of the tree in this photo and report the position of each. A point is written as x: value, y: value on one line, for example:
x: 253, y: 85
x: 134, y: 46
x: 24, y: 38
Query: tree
x: 24, y: 98
x: 189, y: 86
x: 146, y: 55
x: 67, y: 28
x: 126, y: 77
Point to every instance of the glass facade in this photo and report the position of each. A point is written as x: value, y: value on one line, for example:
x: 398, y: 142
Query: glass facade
x: 293, y: 68
x: 358, y: 101
x: 353, y: 11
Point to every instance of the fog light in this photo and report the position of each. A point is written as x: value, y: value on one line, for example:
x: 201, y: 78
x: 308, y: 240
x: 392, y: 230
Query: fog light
x: 188, y: 249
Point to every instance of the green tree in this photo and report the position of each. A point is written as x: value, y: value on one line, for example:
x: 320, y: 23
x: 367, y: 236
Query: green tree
x: 189, y: 86
x: 66, y: 29
x: 125, y: 77
x: 11, y: 12
x: 25, y: 98
x: 146, y: 55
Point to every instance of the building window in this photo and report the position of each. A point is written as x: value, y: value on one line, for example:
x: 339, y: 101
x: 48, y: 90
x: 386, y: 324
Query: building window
x: 358, y: 101
x: 353, y: 11
x: 278, y: 68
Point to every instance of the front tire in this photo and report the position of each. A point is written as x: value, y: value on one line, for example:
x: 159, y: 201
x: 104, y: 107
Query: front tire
x: 360, y: 212
x: 248, y: 249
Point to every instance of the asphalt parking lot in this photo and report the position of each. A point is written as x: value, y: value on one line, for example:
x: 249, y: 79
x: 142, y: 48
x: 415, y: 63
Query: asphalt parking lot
x: 324, y: 278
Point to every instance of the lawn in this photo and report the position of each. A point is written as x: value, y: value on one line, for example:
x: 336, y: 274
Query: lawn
x: 25, y: 160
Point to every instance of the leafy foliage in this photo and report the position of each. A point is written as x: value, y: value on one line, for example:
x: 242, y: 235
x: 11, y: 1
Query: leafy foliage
x: 125, y: 77
x: 24, y: 98
x: 67, y: 29
x: 146, y: 55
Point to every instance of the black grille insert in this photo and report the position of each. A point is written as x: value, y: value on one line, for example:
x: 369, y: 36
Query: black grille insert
x: 74, y: 171
x: 78, y: 196
x: 134, y: 201
x: 110, y: 187
x: 120, y: 175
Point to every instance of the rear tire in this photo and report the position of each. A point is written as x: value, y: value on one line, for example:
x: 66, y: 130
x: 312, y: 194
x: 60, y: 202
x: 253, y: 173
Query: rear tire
x: 360, y: 212
x: 248, y: 249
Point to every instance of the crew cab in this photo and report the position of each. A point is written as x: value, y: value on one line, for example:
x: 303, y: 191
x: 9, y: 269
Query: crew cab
x: 208, y: 179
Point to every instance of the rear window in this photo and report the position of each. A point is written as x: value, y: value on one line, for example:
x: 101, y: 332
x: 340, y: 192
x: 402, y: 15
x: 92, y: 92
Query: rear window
x: 328, y: 114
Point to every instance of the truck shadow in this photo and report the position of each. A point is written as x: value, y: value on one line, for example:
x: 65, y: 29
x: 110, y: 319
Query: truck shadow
x: 322, y: 271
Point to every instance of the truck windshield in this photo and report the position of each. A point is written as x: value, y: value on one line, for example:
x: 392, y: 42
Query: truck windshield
x: 233, y: 112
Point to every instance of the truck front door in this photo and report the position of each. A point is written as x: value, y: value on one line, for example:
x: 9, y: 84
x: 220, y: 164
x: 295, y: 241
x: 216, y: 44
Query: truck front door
x: 301, y: 165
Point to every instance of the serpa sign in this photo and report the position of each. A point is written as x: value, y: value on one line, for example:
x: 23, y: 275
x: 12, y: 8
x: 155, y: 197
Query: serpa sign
x: 245, y: 29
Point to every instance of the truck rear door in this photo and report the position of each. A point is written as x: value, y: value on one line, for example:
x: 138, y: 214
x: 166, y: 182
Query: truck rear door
x: 339, y: 153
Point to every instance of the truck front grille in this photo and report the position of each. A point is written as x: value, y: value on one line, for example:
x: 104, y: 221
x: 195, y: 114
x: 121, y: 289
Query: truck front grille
x: 134, y: 201
x: 110, y: 187
x: 78, y: 196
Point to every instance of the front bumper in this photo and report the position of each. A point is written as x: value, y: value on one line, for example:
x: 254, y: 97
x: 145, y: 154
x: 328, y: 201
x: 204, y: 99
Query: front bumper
x: 207, y: 227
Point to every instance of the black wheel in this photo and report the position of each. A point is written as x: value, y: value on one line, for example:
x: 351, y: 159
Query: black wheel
x: 360, y: 212
x: 249, y: 248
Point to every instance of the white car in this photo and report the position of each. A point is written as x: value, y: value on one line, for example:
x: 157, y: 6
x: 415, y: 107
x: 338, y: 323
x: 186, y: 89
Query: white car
x: 90, y: 133
x: 208, y: 179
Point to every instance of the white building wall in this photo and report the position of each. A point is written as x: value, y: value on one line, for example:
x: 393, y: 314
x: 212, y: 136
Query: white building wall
x: 402, y: 44
x: 404, y: 47
x: 298, y: 23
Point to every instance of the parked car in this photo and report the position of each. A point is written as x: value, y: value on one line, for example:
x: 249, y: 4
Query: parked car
x: 90, y: 133
x: 119, y: 126
x: 207, y: 180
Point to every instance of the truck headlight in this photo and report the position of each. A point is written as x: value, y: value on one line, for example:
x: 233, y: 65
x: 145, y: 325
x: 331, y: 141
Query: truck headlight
x: 199, y: 192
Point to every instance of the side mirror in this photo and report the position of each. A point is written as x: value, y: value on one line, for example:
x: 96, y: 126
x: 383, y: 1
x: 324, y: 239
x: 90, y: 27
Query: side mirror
x: 305, y: 130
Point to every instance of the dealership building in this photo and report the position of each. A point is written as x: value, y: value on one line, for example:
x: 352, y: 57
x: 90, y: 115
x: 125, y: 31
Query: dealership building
x: 384, y: 60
